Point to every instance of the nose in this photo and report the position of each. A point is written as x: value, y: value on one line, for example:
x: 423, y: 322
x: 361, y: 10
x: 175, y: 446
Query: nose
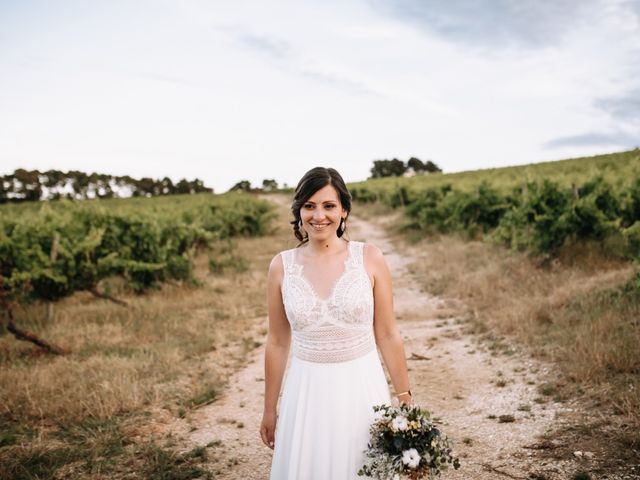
x: 318, y: 215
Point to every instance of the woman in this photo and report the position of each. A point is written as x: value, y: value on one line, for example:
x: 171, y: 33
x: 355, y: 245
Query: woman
x: 331, y: 300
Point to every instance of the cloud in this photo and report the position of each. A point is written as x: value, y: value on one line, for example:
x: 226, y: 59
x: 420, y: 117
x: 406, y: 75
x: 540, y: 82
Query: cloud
x: 286, y: 58
x: 592, y: 139
x: 166, y: 79
x: 341, y: 82
x: 494, y: 23
x: 634, y: 5
x: 623, y: 107
x: 272, y: 46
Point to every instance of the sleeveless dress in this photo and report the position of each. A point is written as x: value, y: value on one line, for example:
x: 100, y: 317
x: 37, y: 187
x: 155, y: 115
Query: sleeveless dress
x: 334, y: 378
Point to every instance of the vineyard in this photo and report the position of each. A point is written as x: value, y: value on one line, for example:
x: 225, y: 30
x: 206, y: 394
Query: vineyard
x: 539, y: 208
x: 546, y: 254
x: 618, y: 169
x: 50, y: 251
x: 153, y: 303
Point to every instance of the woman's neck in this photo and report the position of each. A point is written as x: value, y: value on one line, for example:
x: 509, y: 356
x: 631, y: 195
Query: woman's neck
x: 325, y: 247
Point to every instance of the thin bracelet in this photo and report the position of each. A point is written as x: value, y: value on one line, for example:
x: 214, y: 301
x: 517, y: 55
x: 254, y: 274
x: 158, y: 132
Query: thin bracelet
x: 404, y: 393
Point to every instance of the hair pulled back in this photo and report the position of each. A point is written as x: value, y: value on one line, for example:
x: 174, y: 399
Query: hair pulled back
x: 310, y: 183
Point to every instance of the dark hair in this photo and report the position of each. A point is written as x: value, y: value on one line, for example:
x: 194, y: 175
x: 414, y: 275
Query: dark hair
x: 310, y: 183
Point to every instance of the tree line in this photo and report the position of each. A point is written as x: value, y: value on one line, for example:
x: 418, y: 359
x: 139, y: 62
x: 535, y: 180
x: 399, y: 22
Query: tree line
x: 33, y: 185
x: 398, y: 168
x: 380, y: 169
x: 268, y: 185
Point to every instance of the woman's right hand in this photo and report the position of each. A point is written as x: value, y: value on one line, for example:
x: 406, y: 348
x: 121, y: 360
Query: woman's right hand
x: 268, y: 429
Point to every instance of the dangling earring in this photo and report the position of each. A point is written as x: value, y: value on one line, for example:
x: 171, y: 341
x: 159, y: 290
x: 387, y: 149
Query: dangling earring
x: 343, y: 225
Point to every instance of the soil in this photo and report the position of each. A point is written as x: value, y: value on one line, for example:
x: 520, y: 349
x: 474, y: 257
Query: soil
x: 487, y: 402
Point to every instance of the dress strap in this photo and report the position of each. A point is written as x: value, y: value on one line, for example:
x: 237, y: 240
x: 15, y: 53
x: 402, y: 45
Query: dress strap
x: 287, y: 259
x: 358, y: 252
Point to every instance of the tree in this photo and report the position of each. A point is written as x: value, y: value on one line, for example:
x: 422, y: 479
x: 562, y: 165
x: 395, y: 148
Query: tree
x: 416, y: 165
x: 183, y: 186
x: 197, y: 186
x: 269, y: 185
x: 242, y: 185
x: 388, y: 168
x: 31, y: 185
x: 167, y: 186
x: 432, y: 167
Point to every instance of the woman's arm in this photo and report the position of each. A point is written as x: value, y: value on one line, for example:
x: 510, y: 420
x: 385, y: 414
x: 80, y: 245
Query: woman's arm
x: 386, y: 332
x: 276, y: 350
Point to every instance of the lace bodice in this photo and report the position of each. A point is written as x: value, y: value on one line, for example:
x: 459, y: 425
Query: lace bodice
x: 335, y: 329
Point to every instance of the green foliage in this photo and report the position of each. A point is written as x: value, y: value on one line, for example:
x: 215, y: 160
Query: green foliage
x: 632, y: 239
x: 541, y: 216
x: 388, y: 168
x: 146, y: 248
x: 539, y: 221
x: 447, y: 210
x: 618, y: 169
x: 631, y: 204
x: 242, y: 185
x: 540, y: 207
x: 397, y: 168
x: 549, y: 216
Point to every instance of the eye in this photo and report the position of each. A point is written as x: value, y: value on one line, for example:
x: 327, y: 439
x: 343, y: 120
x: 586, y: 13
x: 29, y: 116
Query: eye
x: 308, y: 205
x: 331, y: 205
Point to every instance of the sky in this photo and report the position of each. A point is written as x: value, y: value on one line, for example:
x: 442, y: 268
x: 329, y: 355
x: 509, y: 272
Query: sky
x: 248, y: 90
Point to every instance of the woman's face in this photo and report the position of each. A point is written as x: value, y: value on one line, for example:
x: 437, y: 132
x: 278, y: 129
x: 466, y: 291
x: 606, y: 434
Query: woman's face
x: 322, y: 212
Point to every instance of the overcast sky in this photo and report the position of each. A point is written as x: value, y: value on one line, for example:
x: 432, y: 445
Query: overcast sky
x: 250, y: 89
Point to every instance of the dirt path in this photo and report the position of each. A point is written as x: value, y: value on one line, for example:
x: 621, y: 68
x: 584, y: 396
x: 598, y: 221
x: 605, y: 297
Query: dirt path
x: 459, y: 380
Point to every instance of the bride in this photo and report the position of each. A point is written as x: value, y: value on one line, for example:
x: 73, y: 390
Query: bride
x: 329, y: 299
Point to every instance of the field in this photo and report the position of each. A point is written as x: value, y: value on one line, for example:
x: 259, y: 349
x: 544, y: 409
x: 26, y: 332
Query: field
x: 619, y: 169
x: 108, y: 407
x: 128, y: 366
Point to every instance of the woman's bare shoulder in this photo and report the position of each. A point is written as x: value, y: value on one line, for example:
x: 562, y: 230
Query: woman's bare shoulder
x: 372, y: 252
x: 277, y: 263
x: 373, y: 259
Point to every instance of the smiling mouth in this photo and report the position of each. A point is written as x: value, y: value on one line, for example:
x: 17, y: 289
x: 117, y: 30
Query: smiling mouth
x: 319, y: 226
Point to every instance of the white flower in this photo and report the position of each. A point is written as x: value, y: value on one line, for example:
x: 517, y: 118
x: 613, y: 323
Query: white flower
x: 399, y: 423
x: 411, y: 458
x: 396, y: 477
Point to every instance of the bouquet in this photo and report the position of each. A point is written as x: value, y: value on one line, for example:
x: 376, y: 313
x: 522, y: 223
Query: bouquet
x: 406, y: 444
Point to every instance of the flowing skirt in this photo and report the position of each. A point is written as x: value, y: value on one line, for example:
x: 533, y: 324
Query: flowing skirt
x: 323, y: 421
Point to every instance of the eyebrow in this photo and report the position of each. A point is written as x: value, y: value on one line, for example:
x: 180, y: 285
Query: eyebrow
x: 326, y: 201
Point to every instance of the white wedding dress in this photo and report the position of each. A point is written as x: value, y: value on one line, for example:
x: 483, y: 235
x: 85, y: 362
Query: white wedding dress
x: 334, y: 378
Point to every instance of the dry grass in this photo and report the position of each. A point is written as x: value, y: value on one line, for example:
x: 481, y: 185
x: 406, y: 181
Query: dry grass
x: 572, y: 311
x: 170, y: 350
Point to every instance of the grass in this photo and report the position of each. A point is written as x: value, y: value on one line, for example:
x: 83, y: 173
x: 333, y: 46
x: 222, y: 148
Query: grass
x: 164, y: 464
x: 581, y: 475
x: 619, y: 168
x: 577, y: 313
x: 547, y: 389
x: 97, y: 410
